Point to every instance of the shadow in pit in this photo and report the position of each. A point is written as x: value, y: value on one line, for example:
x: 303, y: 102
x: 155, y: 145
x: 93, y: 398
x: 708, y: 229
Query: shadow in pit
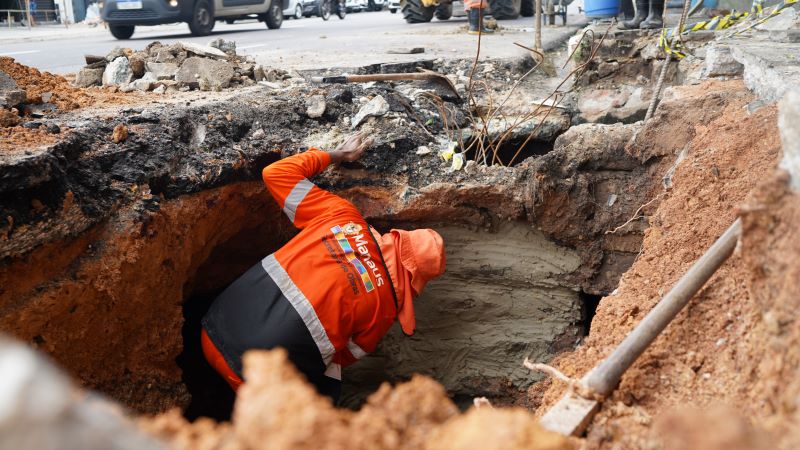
x: 512, y: 150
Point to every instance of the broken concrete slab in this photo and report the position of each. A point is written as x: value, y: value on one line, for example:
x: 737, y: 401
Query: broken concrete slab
x: 202, y: 50
x: 10, y: 93
x: 89, y: 77
x: 770, y: 68
x: 161, y: 70
x: 789, y: 111
x: 118, y: 72
x: 720, y: 63
x: 626, y: 105
x: 213, y: 73
x: 376, y: 107
x: 228, y: 47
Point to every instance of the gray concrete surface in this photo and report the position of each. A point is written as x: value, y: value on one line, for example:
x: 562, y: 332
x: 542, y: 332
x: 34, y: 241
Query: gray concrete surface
x: 363, y: 38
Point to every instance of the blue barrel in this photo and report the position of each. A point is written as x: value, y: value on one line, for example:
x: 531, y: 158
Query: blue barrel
x: 601, y: 9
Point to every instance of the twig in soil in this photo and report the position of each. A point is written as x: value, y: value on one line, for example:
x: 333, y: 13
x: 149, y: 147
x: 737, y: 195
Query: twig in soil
x: 636, y: 215
x: 574, y: 386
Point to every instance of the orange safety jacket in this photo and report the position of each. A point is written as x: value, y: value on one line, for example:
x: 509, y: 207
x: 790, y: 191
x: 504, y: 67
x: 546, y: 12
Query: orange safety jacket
x: 332, y: 272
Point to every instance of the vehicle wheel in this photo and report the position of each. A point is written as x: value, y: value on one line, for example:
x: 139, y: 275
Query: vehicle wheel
x: 444, y: 11
x: 393, y: 10
x: 341, y: 11
x: 505, y: 9
x: 202, y: 19
x: 298, y: 12
x: 526, y: 8
x: 230, y: 21
x: 121, y: 31
x: 274, y: 17
x: 377, y: 8
x: 415, y: 12
x: 324, y: 9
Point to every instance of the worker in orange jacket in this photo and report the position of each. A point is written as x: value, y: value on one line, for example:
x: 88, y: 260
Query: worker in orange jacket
x: 331, y: 293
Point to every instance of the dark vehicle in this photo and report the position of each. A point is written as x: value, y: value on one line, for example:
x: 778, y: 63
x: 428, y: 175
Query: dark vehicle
x: 123, y: 16
x: 324, y: 8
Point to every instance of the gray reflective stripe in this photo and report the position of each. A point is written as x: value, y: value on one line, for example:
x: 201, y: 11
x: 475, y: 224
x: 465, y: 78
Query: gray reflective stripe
x: 301, y: 305
x: 334, y: 371
x: 355, y: 350
x: 299, y: 192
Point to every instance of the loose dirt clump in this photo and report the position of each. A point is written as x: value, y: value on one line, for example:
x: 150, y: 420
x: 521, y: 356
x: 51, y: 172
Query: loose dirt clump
x: 17, y: 139
x: 707, y: 355
x: 277, y: 409
x: 36, y: 84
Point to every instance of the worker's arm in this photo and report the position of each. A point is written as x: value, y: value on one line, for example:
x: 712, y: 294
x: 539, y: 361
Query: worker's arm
x: 287, y: 180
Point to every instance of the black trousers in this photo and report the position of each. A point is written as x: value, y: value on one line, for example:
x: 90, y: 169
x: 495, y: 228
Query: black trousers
x: 252, y: 313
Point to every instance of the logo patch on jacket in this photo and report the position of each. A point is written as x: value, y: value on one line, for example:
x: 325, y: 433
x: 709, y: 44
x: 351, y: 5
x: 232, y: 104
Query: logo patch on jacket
x: 351, y: 257
x: 351, y: 229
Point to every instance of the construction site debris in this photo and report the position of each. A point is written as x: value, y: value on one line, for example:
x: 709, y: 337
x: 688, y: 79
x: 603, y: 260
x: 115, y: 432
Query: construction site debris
x: 117, y: 72
x: 376, y: 107
x: 789, y: 111
x: 315, y: 106
x: 120, y: 133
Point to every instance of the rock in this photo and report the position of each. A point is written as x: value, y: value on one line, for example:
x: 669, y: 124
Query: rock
x: 406, y: 50
x: 120, y: 133
x: 229, y: 47
x: 423, y: 150
x: 786, y: 20
x: 115, y: 53
x: 376, y: 107
x: 315, y: 106
x: 259, y: 134
x: 53, y: 128
x: 137, y: 66
x: 340, y: 95
x: 720, y: 63
x: 9, y: 117
x: 162, y: 71
x: 32, y: 125
x: 207, y: 72
x: 770, y: 68
x: 164, y: 55
x: 117, y: 72
x: 258, y: 73
x: 89, y: 77
x: 141, y: 84
x: 160, y: 89
x: 202, y: 50
x: 93, y: 59
x: 789, y: 109
x: 626, y: 105
x: 10, y: 93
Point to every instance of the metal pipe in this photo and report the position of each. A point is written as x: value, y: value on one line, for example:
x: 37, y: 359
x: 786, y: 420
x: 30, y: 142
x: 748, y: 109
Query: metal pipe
x: 605, y: 377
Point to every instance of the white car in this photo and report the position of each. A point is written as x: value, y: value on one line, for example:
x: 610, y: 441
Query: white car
x: 355, y: 5
x: 394, y: 5
x: 294, y: 10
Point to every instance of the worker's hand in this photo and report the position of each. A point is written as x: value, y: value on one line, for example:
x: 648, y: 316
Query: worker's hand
x: 351, y: 149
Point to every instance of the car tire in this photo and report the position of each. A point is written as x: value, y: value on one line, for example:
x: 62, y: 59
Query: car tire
x: 341, y: 11
x: 393, y: 10
x: 505, y: 9
x: 444, y: 11
x: 298, y: 12
x: 202, y: 18
x: 121, y: 32
x: 415, y: 12
x: 230, y: 21
x: 526, y: 8
x: 274, y: 16
x: 324, y: 10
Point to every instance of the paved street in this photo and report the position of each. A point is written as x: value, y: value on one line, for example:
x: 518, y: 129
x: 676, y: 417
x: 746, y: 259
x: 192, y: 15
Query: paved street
x: 309, y: 43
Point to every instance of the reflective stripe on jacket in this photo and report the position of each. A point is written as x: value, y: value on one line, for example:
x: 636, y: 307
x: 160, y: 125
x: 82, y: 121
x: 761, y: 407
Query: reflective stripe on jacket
x: 332, y: 271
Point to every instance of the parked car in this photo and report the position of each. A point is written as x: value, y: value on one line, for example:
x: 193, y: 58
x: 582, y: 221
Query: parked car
x: 394, y: 5
x: 376, y: 5
x: 315, y: 8
x: 355, y: 5
x: 294, y: 10
x: 123, y: 16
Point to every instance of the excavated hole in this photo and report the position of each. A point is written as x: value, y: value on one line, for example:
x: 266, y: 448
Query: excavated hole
x: 507, y: 151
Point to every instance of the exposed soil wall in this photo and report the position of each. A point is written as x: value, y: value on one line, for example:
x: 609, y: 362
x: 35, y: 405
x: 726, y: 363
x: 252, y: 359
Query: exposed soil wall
x: 713, y: 353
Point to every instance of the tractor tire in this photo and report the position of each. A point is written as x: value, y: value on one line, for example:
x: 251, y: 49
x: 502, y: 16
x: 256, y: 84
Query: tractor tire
x: 526, y: 8
x: 415, y: 12
x: 444, y: 11
x: 121, y: 32
x: 505, y: 9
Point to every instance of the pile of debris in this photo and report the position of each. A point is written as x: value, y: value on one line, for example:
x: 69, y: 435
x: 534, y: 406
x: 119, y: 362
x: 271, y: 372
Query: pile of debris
x: 180, y: 67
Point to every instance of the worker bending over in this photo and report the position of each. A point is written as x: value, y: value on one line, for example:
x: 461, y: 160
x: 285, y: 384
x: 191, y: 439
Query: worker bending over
x: 332, y: 292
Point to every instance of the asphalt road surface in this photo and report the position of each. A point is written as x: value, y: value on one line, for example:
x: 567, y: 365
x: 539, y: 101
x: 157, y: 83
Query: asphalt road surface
x: 308, y: 43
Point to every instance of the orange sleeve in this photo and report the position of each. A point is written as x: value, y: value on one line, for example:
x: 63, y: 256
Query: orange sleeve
x: 356, y: 349
x: 301, y: 200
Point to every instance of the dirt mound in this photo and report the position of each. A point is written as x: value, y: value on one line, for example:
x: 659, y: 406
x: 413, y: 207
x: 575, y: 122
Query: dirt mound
x: 278, y: 409
x: 712, y: 352
x: 38, y: 84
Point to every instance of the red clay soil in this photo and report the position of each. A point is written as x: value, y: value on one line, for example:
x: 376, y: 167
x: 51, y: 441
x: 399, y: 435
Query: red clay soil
x: 735, y: 345
x: 35, y: 84
x: 277, y: 409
